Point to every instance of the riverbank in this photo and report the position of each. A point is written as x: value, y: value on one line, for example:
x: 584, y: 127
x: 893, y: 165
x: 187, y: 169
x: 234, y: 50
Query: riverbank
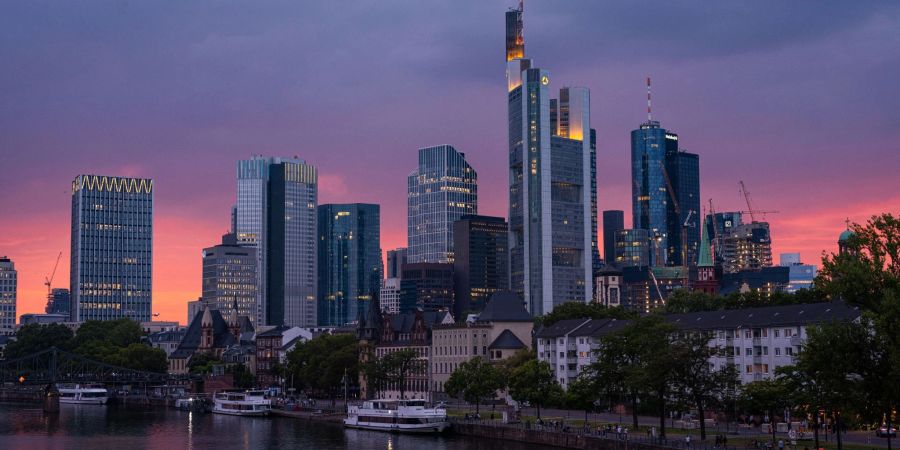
x: 330, y: 417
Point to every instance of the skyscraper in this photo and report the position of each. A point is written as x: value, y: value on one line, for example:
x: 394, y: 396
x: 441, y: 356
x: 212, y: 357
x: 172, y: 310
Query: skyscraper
x: 443, y: 188
x: 8, y: 287
x: 613, y: 221
x: 229, y: 277
x: 276, y: 213
x: 426, y: 286
x: 747, y: 247
x: 112, y: 248
x: 718, y: 226
x: 396, y: 258
x: 632, y: 247
x: 59, y: 302
x: 481, y: 264
x: 350, y: 268
x: 552, y: 209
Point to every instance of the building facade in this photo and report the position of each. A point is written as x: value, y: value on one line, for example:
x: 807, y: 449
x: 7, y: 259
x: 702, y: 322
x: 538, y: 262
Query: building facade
x: 443, y: 188
x: 59, y: 302
x: 747, y: 247
x: 632, y: 248
x: 426, y: 286
x: 390, y: 296
x: 112, y: 248
x: 718, y: 226
x: 800, y: 276
x: 481, y: 263
x: 613, y: 221
x: 9, y: 280
x: 396, y: 258
x: 276, y: 214
x: 552, y: 176
x: 229, y: 277
x: 350, y: 267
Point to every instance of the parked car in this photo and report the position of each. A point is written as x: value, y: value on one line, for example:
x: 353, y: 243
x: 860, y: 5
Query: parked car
x: 882, y: 432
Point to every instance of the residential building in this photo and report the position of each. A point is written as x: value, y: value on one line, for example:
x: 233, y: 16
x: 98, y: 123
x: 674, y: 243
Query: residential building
x: 481, y: 263
x: 59, y: 302
x: 8, y: 289
x: 390, y: 296
x: 350, y: 266
x: 441, y: 189
x: 112, y: 248
x: 756, y: 340
x: 229, y: 277
x: 501, y: 329
x: 552, y: 173
x: 270, y: 350
x: 632, y: 248
x: 211, y: 333
x: 426, y: 286
x: 747, y: 247
x: 613, y: 221
x: 276, y: 214
x: 396, y: 258
x: 800, y: 276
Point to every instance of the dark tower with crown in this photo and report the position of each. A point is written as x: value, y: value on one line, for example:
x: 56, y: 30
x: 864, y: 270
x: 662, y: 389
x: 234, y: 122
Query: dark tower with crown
x: 368, y: 332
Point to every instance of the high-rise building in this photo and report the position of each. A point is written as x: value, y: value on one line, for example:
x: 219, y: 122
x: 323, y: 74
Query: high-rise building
x: 443, y: 188
x: 396, y: 258
x: 665, y: 195
x: 8, y: 287
x: 481, y: 263
x: 390, y: 296
x: 800, y: 276
x: 276, y: 213
x: 112, y: 248
x: 718, y: 226
x: 552, y: 209
x: 426, y: 286
x: 350, y: 267
x: 632, y: 247
x: 59, y: 302
x: 613, y: 221
x: 747, y: 247
x: 229, y: 277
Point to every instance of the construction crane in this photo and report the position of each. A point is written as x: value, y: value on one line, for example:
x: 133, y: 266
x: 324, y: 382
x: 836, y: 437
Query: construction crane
x: 687, y: 221
x: 48, y: 281
x: 750, y: 210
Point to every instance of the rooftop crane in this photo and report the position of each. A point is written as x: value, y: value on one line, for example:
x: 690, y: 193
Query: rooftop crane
x: 48, y: 281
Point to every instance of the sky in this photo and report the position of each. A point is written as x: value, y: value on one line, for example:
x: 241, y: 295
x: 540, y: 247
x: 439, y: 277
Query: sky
x: 798, y: 99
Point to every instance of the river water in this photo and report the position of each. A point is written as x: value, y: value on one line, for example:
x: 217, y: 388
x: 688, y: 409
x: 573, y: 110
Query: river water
x: 112, y: 428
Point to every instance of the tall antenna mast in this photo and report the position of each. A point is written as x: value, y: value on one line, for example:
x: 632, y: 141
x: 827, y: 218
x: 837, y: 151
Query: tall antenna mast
x: 649, y: 109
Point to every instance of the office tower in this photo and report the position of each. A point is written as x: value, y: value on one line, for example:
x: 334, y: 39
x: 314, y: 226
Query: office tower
x: 800, y: 276
x: 229, y: 277
x: 552, y: 211
x: 8, y: 287
x: 276, y: 214
x: 395, y: 260
x: 632, y: 247
x: 59, y: 302
x: 390, y: 296
x: 426, y: 286
x: 443, y: 188
x: 112, y: 248
x: 350, y: 267
x: 718, y: 226
x: 481, y: 263
x: 665, y: 196
x: 613, y: 221
x: 747, y: 247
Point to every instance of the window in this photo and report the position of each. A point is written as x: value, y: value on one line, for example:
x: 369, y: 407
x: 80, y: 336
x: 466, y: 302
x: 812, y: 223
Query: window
x: 749, y: 368
x: 789, y: 351
x: 787, y: 332
x: 747, y: 334
x: 777, y: 351
x: 777, y: 333
x: 765, y: 351
x: 748, y: 351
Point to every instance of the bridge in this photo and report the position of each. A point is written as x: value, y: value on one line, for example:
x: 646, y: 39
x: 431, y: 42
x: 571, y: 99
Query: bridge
x: 54, y: 365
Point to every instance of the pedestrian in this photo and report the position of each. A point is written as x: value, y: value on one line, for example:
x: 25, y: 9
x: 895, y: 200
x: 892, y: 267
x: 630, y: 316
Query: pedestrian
x: 780, y: 444
x: 625, y: 431
x: 687, y: 441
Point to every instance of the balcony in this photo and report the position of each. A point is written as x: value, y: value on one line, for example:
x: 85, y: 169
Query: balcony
x: 797, y: 341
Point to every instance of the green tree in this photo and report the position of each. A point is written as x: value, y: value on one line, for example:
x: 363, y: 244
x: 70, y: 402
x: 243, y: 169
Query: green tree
x: 202, y: 363
x: 767, y: 397
x: 319, y: 364
x: 617, y: 366
x: 34, y: 338
x: 142, y: 357
x: 694, y: 380
x: 402, y: 364
x: 474, y: 380
x: 653, y: 368
x: 533, y: 382
x: 583, y: 393
x: 520, y: 357
x: 577, y: 310
x: 242, y: 376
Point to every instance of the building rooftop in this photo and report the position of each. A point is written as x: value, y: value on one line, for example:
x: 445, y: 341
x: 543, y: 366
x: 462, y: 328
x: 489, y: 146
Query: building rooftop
x: 507, y: 340
x: 505, y: 306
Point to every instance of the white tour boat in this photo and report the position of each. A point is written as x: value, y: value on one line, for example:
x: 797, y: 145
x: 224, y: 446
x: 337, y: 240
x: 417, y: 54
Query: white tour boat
x: 249, y: 403
x: 82, y: 395
x: 398, y: 416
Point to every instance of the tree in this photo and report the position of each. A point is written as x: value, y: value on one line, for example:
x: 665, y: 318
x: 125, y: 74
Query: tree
x: 583, y: 393
x: 694, y: 380
x: 319, y: 364
x: 765, y: 397
x: 520, y: 357
x: 202, y: 363
x: 577, y: 310
x: 241, y: 375
x: 652, y: 370
x: 617, y: 368
x: 534, y: 382
x: 474, y: 380
x: 142, y: 357
x: 400, y: 365
x: 34, y: 338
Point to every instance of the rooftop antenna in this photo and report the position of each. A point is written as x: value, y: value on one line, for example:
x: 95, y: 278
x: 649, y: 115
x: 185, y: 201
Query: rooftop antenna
x: 649, y: 110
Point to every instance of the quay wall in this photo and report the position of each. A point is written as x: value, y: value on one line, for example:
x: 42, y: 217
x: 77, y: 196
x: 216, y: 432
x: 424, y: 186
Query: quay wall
x: 549, y: 438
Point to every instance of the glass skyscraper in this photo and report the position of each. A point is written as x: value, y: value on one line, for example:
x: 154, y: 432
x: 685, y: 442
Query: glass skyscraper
x: 112, y: 248
x: 229, y: 278
x: 59, y: 302
x: 613, y: 221
x: 276, y: 213
x: 396, y: 258
x: 350, y: 267
x: 443, y: 188
x: 552, y: 198
x: 481, y: 264
x: 8, y: 288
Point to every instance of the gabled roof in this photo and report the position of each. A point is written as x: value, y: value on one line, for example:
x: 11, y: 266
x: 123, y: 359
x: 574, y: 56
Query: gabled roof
x: 561, y: 328
x: 507, y: 340
x: 222, y: 336
x: 600, y: 327
x: 505, y: 306
x: 274, y: 332
x: 768, y: 316
x: 403, y: 323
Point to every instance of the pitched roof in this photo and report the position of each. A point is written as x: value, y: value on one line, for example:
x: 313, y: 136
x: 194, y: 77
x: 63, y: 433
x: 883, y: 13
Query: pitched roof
x: 600, y: 327
x: 507, y: 340
x: 505, y: 306
x: 767, y: 316
x: 222, y: 336
x: 274, y: 332
x: 561, y: 328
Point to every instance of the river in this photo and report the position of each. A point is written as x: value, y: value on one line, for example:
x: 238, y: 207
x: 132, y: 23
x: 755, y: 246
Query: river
x: 114, y: 428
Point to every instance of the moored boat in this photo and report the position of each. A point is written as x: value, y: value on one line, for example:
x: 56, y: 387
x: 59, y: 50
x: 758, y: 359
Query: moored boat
x: 82, y: 395
x: 248, y: 403
x: 397, y: 416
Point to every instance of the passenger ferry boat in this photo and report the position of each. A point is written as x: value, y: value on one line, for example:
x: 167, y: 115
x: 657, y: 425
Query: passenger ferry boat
x: 249, y: 403
x: 82, y: 395
x: 398, y: 416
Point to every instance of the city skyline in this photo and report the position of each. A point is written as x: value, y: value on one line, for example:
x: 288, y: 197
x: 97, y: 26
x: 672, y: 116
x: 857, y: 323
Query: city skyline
x: 786, y: 137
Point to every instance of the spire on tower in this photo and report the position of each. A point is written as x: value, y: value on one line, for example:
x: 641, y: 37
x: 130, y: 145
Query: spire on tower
x: 649, y: 109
